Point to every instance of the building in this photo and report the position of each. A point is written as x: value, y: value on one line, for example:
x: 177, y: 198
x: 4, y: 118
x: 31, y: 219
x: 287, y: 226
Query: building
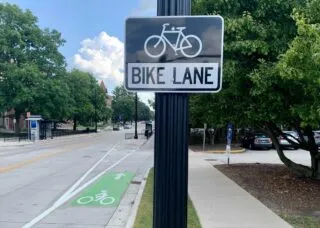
x: 108, y: 97
x: 7, y: 120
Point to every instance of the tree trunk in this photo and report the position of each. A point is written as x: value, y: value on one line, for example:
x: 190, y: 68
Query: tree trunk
x: 315, y: 162
x: 54, y: 125
x: 315, y: 166
x: 218, y: 135
x: 17, y: 124
x: 74, y: 123
x: 300, y: 170
x: 212, y: 138
x: 314, y: 153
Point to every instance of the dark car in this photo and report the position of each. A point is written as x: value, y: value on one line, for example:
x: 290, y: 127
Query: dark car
x: 256, y: 140
x: 116, y: 127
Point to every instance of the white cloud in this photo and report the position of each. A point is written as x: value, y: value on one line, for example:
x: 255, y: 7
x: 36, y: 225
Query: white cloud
x: 102, y: 56
x: 145, y: 96
x: 146, y: 8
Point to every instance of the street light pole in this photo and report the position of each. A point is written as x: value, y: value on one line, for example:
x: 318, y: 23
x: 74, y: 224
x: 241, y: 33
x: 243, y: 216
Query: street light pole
x: 171, y: 145
x: 136, y: 117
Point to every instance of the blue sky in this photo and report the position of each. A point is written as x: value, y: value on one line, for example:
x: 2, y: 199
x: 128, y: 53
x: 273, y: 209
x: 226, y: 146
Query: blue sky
x: 94, y: 31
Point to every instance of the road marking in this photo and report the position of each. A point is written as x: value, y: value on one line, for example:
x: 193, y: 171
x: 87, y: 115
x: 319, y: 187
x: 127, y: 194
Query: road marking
x: 223, y: 151
x: 73, y: 187
x: 119, y: 175
x: 106, y: 191
x: 30, y: 161
x: 35, y: 159
x: 75, y: 192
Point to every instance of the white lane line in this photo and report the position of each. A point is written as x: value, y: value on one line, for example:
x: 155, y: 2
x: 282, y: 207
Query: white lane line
x: 73, y: 187
x: 65, y: 199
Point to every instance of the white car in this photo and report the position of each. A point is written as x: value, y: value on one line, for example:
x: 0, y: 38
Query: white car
x: 292, y: 135
x: 317, y: 137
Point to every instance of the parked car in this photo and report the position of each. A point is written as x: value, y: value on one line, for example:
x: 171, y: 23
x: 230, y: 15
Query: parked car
x: 127, y: 126
x: 116, y: 127
x: 317, y: 137
x: 292, y: 135
x: 256, y: 140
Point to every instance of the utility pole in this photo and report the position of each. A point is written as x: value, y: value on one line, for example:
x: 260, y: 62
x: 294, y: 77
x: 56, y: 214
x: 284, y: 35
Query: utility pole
x: 136, y: 117
x: 171, y: 145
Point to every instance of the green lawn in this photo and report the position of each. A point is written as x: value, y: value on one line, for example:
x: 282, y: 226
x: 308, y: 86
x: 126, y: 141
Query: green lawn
x: 144, y: 215
x: 302, y: 221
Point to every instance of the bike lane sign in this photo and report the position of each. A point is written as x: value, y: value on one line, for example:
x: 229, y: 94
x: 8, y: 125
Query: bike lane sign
x: 107, y: 191
x: 174, y: 54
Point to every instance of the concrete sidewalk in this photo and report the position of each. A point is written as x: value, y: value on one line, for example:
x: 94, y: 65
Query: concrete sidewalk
x: 221, y: 203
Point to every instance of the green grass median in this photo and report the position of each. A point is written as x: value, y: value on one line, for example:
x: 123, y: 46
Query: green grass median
x: 145, y: 211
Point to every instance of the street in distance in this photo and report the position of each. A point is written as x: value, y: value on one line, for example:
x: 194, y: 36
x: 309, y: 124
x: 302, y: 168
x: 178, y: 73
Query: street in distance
x: 174, y: 54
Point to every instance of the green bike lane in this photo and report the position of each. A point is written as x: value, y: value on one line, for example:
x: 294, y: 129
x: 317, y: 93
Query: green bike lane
x: 107, y: 191
x: 112, y: 193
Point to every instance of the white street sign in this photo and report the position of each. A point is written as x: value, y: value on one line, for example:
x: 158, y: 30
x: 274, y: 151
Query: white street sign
x: 174, y: 54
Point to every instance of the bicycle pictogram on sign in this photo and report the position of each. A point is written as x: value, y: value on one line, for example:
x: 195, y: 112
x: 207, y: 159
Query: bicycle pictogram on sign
x: 190, y: 45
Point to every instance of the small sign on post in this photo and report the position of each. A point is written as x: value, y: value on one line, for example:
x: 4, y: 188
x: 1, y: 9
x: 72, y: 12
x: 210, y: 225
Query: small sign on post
x: 229, y: 140
x: 204, y: 136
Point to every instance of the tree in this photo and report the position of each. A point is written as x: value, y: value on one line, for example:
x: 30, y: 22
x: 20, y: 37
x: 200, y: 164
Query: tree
x: 144, y: 112
x: 151, y: 103
x: 258, y: 88
x: 87, y: 98
x: 22, y: 41
x: 25, y: 89
x: 296, y: 78
x: 28, y: 57
x: 102, y: 112
x: 122, y: 105
x: 255, y: 31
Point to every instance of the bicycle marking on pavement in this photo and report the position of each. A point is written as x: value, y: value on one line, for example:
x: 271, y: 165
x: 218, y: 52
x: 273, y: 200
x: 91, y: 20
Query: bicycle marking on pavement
x: 106, y: 192
x: 58, y: 203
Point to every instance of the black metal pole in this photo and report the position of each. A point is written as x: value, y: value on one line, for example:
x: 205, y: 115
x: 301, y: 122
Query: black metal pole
x: 136, y: 118
x: 171, y: 145
x: 95, y: 109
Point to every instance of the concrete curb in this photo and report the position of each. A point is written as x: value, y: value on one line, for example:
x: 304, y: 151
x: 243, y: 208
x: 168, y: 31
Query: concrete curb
x: 16, y: 145
x: 223, y: 151
x: 135, y: 207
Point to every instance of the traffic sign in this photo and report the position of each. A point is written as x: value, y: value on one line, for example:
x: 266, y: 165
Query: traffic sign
x: 229, y: 134
x: 174, y: 54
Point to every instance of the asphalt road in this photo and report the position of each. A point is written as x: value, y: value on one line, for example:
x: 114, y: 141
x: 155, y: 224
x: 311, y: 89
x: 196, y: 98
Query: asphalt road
x: 75, y: 181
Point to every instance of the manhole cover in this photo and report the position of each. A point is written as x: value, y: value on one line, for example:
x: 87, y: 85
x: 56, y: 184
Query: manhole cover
x: 211, y: 159
x: 87, y: 156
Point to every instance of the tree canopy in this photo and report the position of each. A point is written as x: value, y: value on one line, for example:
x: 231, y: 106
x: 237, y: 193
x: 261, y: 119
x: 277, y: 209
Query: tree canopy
x: 270, y: 73
x: 33, y: 75
x: 256, y: 33
x: 123, y: 106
